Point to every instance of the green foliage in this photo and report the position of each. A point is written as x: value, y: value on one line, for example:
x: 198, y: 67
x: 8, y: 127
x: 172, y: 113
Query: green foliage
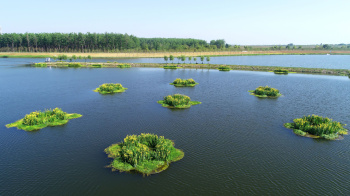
x: 38, y: 120
x: 183, y: 58
x: 224, y: 68
x: 96, y: 65
x: 266, y: 92
x: 170, y: 67
x: 208, y: 59
x: 74, y: 65
x: 202, y: 58
x: 125, y: 65
x: 145, y: 153
x: 171, y: 57
x: 39, y: 65
x: 280, y: 71
x: 109, y: 88
x: 62, y: 57
x: 166, y: 59
x: 178, y: 101
x: 183, y: 82
x: 317, y: 125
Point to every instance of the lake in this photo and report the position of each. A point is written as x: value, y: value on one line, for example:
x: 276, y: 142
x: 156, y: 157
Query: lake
x: 234, y: 143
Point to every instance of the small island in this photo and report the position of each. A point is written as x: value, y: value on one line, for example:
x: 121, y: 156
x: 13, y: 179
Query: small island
x: 317, y: 127
x: 170, y: 67
x: 224, y: 68
x: 38, y: 120
x: 177, y: 101
x: 280, y: 71
x: 184, y: 83
x: 146, y: 153
x: 265, y: 92
x: 110, y: 88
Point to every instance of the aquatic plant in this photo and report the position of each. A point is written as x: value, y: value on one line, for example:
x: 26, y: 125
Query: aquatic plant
x: 224, y: 68
x: 74, y: 65
x: 317, y: 126
x: 39, y: 65
x: 280, y: 71
x: 265, y: 92
x: 146, y: 153
x: 109, y: 88
x: 177, y: 101
x: 125, y: 65
x: 96, y: 65
x: 183, y: 82
x: 38, y: 120
x: 170, y: 67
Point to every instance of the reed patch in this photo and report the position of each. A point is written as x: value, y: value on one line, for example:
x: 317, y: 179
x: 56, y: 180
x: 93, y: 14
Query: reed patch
x: 177, y: 101
x: 110, y: 88
x: 266, y: 91
x: 178, y: 82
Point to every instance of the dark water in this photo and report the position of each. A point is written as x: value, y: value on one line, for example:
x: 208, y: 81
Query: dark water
x: 309, y: 61
x: 234, y: 143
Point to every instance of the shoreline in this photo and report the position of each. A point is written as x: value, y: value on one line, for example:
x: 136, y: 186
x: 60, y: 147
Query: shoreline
x: 291, y: 70
x: 175, y: 54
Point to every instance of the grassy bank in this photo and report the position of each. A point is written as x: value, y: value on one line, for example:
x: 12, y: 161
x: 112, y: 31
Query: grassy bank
x: 321, y: 71
x: 162, y: 54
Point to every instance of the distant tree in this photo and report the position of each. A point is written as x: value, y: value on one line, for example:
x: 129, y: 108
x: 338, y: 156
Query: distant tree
x: 75, y: 58
x: 80, y: 57
x: 171, y: 57
x: 178, y: 59
x: 195, y: 59
x: 202, y: 58
x: 166, y: 59
x: 54, y: 58
x: 183, y: 58
x: 89, y: 57
x: 190, y: 59
x: 208, y: 59
x: 326, y: 46
x: 299, y: 47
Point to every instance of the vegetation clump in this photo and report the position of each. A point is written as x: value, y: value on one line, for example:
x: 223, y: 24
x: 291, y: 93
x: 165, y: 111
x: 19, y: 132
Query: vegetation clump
x: 183, y: 82
x: 224, y: 68
x: 317, y: 127
x: 170, y: 67
x: 74, y: 65
x: 38, y: 120
x: 177, y: 101
x: 280, y: 71
x: 265, y: 92
x: 39, y: 65
x: 96, y: 65
x: 109, y: 88
x: 146, y: 153
x: 125, y: 65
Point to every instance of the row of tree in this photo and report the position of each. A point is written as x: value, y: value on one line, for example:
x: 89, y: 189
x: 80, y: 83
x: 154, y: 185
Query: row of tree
x: 97, y: 42
x: 183, y: 59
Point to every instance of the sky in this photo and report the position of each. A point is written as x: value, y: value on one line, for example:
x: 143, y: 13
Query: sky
x: 243, y: 22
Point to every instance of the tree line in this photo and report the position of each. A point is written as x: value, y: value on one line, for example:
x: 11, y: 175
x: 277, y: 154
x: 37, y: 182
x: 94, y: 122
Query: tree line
x: 97, y: 42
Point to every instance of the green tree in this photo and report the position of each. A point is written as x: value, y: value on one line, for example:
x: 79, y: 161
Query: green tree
x: 202, y: 58
x: 190, y: 59
x: 183, y: 58
x: 89, y: 57
x: 178, y: 59
x: 208, y: 59
x: 195, y: 59
x: 75, y: 58
x: 166, y: 59
x: 171, y: 57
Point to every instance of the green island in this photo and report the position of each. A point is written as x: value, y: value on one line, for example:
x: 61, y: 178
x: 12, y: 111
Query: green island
x: 224, y: 68
x: 38, y: 120
x: 109, y: 88
x: 178, y: 82
x: 317, y: 127
x: 146, y: 153
x: 266, y: 91
x: 177, y: 101
x: 280, y: 71
x: 170, y: 67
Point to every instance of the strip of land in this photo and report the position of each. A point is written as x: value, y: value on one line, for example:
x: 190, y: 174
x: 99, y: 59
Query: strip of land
x: 175, y: 54
x: 321, y: 71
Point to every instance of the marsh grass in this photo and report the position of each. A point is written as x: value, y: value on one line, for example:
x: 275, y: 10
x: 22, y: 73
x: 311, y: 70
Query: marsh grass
x: 224, y: 68
x: 317, y: 126
x: 177, y: 101
x: 170, y: 67
x: 264, y: 92
x: 280, y: 71
x: 38, y: 120
x: 178, y: 82
x: 96, y: 65
x: 125, y: 65
x: 110, y: 88
x: 146, y: 153
x: 39, y: 65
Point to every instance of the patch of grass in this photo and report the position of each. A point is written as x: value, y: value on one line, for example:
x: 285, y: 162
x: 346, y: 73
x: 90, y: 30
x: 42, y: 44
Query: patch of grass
x: 110, y: 88
x: 170, y: 67
x: 266, y: 91
x: 96, y: 65
x: 280, y: 71
x: 38, y: 120
x: 74, y: 65
x: 146, y: 153
x: 224, y: 68
x: 125, y: 65
x: 39, y: 65
x: 177, y: 101
x: 184, y: 83
x: 317, y: 126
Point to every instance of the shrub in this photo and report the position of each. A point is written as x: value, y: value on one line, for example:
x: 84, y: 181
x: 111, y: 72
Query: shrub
x: 170, y: 67
x: 178, y: 101
x: 109, y: 88
x: 266, y: 92
x: 145, y: 153
x: 224, y: 68
x: 125, y: 65
x: 317, y: 125
x: 74, y: 65
x: 97, y: 65
x: 184, y: 82
x: 280, y: 71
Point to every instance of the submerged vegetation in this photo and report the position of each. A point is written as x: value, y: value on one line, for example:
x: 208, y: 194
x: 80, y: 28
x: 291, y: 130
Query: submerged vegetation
x: 280, y: 71
x: 125, y: 65
x: 177, y: 101
x: 146, y: 153
x: 170, y: 67
x: 224, y: 68
x: 317, y: 127
x: 38, y: 120
x: 183, y: 82
x: 109, y: 88
x: 265, y: 92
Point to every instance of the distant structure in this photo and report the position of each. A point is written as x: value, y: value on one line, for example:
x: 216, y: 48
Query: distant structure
x: 47, y: 60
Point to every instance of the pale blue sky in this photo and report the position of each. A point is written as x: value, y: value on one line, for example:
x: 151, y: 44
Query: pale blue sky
x: 238, y: 22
